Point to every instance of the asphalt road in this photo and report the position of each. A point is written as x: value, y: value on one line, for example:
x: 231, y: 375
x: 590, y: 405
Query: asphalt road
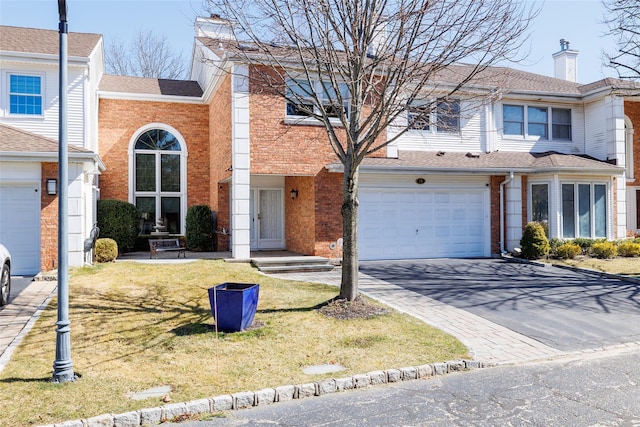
x: 596, y: 389
x: 563, y: 309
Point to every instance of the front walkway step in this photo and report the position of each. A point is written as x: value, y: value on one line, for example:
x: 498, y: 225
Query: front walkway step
x: 291, y: 264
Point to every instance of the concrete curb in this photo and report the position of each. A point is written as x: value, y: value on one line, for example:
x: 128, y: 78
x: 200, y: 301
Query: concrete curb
x: 248, y: 399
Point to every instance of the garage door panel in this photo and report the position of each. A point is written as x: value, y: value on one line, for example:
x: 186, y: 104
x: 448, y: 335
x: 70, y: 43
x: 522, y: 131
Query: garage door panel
x: 397, y: 224
x: 20, y: 225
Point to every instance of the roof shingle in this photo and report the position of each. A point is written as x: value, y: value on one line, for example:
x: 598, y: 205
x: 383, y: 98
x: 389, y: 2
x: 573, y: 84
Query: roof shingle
x: 140, y: 85
x: 19, y: 141
x: 35, y: 40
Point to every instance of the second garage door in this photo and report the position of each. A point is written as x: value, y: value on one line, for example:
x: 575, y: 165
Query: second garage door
x: 404, y: 224
x: 20, y: 225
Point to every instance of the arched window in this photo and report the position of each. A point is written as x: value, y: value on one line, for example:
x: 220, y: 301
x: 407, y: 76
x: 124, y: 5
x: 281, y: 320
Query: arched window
x: 158, y: 180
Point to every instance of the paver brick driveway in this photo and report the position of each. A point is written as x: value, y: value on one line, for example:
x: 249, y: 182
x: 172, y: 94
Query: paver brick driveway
x: 562, y: 309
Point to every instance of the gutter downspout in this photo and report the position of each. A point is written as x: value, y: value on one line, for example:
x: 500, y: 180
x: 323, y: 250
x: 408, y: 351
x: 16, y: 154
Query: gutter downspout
x: 502, y: 213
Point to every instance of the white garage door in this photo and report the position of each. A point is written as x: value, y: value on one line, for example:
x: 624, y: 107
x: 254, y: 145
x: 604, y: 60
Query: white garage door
x: 404, y: 224
x: 20, y: 225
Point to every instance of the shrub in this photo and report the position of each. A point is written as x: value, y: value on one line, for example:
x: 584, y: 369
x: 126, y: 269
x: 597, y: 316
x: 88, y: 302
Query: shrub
x: 534, y: 243
x: 106, y: 250
x: 604, y: 250
x: 584, y: 243
x: 629, y: 249
x: 568, y: 251
x: 199, y: 228
x: 554, y: 244
x: 119, y: 221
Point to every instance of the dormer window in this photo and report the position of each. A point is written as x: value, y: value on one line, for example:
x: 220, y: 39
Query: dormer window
x: 25, y: 94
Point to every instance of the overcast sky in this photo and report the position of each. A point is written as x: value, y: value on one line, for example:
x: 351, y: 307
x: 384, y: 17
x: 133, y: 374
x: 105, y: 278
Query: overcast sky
x: 579, y: 21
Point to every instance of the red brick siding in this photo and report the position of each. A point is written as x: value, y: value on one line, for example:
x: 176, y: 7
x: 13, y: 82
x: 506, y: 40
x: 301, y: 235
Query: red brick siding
x: 495, y: 213
x: 48, y: 220
x: 328, y: 204
x: 300, y: 215
x: 220, y: 160
x: 120, y: 119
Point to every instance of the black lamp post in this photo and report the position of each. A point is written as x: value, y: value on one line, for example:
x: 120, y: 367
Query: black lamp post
x: 63, y: 366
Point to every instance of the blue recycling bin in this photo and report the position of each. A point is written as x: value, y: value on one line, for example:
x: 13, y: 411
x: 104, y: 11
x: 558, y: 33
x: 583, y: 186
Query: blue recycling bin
x: 236, y: 305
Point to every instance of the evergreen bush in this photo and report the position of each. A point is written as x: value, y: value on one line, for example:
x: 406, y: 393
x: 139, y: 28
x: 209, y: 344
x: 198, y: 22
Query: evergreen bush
x: 568, y: 251
x: 199, y: 228
x: 629, y: 249
x: 119, y: 221
x: 604, y: 250
x: 106, y: 250
x: 534, y: 243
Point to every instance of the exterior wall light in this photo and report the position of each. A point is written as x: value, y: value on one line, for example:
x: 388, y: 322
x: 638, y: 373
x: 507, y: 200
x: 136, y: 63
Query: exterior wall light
x: 420, y: 181
x: 294, y: 194
x: 52, y: 187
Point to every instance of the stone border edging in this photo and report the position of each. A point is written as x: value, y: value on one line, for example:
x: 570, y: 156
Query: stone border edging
x: 248, y: 399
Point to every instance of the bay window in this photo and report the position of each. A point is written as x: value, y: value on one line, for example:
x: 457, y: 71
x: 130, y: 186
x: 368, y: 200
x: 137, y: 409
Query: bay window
x: 584, y: 210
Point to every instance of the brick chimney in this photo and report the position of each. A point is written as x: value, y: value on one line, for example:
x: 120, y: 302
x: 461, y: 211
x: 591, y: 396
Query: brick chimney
x: 566, y: 62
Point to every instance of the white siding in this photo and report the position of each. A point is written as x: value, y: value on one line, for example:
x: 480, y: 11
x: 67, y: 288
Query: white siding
x: 531, y: 144
x: 47, y: 125
x: 595, y: 129
x: 469, y: 139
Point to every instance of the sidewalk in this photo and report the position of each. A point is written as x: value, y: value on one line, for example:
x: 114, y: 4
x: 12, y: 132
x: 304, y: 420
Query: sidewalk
x: 18, y: 317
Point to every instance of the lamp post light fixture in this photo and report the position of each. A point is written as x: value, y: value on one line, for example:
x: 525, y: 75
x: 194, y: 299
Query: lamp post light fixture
x: 294, y: 194
x: 63, y: 366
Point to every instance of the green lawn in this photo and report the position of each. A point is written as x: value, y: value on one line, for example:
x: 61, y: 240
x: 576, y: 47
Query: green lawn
x: 135, y: 326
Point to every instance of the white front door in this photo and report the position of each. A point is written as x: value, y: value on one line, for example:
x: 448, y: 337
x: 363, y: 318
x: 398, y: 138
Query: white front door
x: 267, y: 219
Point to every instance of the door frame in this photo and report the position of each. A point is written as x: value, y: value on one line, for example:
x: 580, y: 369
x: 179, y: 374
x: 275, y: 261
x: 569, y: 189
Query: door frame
x: 256, y: 243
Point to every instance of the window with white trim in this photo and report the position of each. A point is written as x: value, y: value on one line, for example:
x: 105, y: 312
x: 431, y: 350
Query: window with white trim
x: 539, y: 202
x: 533, y: 121
x: 157, y: 180
x: 300, y: 95
x: 584, y: 210
x: 25, y: 94
x: 444, y: 117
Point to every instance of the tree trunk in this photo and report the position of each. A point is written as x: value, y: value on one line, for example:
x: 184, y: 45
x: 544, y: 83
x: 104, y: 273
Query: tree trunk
x: 349, y: 285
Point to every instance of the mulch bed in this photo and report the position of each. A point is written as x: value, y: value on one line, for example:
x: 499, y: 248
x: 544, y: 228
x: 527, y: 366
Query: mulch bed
x: 341, y: 309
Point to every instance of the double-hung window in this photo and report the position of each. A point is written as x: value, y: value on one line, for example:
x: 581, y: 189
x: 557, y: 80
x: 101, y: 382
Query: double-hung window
x: 301, y: 103
x: 537, y: 122
x: 444, y: 117
x: 25, y: 94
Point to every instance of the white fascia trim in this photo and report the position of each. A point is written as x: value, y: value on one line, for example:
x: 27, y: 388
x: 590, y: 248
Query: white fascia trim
x: 150, y: 97
x: 51, y: 157
x: 449, y: 171
x: 541, y: 97
x: 41, y: 58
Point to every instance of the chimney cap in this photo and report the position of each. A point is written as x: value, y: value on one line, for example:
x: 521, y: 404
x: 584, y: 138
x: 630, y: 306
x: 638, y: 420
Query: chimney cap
x: 564, y: 44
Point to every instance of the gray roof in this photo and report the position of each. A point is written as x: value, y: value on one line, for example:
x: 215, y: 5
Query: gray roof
x: 492, y: 77
x: 140, y: 85
x: 498, y: 162
x: 20, y: 141
x: 34, y: 40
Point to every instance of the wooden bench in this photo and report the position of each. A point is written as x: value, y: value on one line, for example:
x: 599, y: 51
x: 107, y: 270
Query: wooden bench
x: 165, y: 245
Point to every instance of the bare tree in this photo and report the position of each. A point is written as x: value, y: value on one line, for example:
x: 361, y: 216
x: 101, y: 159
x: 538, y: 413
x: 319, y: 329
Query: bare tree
x: 357, y: 66
x: 148, y: 56
x: 623, y: 20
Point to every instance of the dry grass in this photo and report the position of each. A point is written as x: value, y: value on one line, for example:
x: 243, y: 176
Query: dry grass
x: 620, y: 265
x: 136, y: 326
